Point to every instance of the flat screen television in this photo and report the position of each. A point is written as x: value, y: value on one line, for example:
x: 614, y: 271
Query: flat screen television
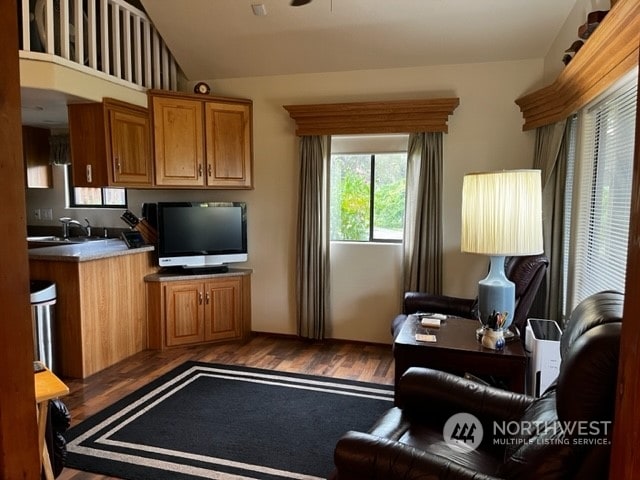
x: 201, y: 235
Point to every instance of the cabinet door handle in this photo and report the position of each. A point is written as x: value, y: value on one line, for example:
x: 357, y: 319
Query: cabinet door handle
x: 200, y: 298
x: 89, y: 175
x: 118, y: 165
x: 209, y: 169
x: 200, y: 170
x: 207, y: 298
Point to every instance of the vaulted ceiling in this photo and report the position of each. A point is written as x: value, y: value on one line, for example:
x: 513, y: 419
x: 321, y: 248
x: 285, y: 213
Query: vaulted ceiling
x: 213, y: 39
x: 224, y: 39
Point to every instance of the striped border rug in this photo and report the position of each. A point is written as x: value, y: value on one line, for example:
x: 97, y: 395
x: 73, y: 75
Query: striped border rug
x: 226, y: 422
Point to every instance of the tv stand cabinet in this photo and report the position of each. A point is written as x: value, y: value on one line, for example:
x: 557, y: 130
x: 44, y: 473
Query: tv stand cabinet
x: 194, y: 309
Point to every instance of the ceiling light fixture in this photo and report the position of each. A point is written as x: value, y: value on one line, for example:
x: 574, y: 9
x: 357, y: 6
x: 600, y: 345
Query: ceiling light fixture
x: 259, y: 10
x: 299, y: 3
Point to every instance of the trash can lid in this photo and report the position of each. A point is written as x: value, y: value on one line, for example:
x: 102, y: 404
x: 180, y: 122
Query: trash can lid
x: 42, y: 291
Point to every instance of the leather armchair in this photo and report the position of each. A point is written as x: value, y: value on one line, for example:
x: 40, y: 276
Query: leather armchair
x: 408, y: 442
x: 526, y: 272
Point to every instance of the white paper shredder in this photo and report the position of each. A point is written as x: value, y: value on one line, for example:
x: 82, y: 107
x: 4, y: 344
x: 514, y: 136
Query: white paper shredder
x: 542, y: 342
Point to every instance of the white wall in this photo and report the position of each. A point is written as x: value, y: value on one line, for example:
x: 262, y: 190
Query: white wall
x: 485, y: 133
x: 553, y: 65
x: 366, y: 288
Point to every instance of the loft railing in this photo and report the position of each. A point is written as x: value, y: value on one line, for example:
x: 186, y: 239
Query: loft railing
x: 103, y: 37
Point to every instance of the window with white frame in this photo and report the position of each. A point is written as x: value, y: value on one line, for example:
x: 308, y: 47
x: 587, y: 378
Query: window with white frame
x: 367, y: 187
x: 602, y: 194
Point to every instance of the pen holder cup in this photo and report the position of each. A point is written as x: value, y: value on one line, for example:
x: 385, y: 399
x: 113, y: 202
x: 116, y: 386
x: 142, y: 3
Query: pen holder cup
x: 493, y: 339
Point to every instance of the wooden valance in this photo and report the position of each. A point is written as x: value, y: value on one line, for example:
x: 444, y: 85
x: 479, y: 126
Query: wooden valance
x: 609, y: 53
x: 402, y: 116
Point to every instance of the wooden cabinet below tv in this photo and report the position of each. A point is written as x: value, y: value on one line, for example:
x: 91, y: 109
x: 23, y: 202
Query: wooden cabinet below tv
x: 194, y: 309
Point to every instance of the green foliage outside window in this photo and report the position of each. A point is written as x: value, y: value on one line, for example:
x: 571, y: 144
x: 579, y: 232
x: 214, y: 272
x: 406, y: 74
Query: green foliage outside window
x: 350, y: 192
x: 351, y: 197
x: 389, y: 202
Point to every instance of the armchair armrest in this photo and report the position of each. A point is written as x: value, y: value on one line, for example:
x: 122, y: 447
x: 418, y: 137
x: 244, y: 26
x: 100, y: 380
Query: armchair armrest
x: 362, y: 455
x: 425, y: 392
x: 427, y: 302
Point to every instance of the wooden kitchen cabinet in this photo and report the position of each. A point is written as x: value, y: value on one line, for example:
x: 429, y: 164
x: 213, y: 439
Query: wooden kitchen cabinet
x: 207, y: 308
x: 35, y: 148
x: 184, y: 319
x: 110, y: 145
x: 201, y: 141
x: 100, y: 312
x: 228, y: 144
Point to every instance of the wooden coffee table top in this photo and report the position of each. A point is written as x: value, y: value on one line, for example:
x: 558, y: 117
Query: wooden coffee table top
x: 454, y: 334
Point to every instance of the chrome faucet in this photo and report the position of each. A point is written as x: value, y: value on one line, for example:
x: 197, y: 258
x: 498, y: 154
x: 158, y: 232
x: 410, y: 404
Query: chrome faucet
x: 87, y: 227
x: 67, y: 222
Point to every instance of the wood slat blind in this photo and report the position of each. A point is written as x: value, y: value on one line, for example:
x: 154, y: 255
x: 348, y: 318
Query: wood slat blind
x: 610, y: 52
x: 401, y: 116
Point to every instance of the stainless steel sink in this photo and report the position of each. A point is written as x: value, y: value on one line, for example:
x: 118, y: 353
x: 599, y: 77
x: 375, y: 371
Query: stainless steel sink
x: 84, y: 239
x: 53, y: 240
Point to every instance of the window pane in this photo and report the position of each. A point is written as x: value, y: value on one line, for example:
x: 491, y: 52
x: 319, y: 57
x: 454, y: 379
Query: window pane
x: 115, y: 196
x: 389, y: 191
x: 88, y: 196
x: 349, y: 198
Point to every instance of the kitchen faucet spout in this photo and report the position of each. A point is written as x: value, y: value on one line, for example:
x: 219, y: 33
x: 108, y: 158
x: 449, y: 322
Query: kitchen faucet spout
x: 67, y: 222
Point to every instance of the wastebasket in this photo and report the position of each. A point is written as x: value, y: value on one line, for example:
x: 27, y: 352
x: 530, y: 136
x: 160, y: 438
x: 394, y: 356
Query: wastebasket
x: 43, y: 299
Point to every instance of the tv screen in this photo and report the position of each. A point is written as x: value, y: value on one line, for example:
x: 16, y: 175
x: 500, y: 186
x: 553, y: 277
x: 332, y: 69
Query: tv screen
x: 201, y: 234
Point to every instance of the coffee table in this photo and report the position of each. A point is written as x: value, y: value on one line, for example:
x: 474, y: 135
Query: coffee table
x: 457, y: 351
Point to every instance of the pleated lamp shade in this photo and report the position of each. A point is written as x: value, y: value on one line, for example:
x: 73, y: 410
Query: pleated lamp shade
x: 502, y: 213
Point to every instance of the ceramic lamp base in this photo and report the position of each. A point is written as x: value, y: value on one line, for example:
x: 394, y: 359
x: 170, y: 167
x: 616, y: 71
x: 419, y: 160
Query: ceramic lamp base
x: 496, y: 296
x: 493, y: 339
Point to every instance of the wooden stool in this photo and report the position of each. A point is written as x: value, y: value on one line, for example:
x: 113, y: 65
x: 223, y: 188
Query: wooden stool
x: 48, y: 387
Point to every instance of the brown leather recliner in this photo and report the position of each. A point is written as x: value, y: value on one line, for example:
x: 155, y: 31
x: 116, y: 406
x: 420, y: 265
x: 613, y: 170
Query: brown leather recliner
x: 542, y: 440
x: 526, y: 272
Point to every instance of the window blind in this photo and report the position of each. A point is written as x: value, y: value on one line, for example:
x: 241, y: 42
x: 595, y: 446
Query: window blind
x: 602, y: 203
x: 572, y: 128
x: 354, y: 144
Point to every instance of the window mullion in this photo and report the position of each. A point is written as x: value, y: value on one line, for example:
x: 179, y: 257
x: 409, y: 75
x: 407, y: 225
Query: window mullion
x: 372, y: 190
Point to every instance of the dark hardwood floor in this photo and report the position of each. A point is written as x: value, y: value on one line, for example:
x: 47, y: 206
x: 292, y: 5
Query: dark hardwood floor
x: 355, y: 361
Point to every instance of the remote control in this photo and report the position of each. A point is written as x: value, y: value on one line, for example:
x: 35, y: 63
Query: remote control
x: 422, y: 337
x: 430, y: 322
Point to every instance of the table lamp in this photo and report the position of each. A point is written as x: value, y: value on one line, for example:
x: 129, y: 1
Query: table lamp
x: 501, y: 216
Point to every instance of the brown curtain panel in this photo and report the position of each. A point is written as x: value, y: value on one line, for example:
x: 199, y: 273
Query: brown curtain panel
x: 551, y: 150
x: 312, y: 265
x: 422, y: 245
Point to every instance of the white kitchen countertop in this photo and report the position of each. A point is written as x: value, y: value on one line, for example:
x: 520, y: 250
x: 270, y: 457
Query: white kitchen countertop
x: 82, y: 252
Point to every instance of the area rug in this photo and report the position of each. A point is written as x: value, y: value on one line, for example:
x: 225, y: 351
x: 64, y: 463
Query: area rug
x: 226, y: 422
